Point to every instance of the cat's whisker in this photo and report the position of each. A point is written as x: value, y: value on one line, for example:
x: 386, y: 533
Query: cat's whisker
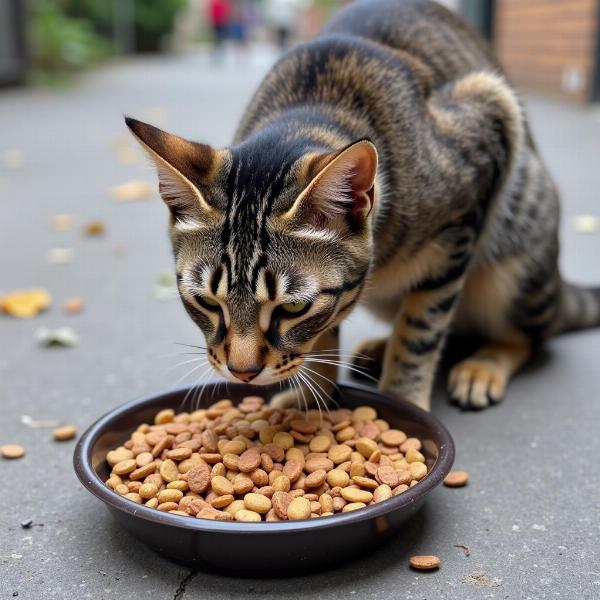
x: 315, y: 382
x: 301, y: 392
x: 190, y: 390
x: 200, y: 390
x: 192, y: 370
x: 171, y: 355
x: 345, y: 365
x: 191, y: 346
x: 199, y: 386
x: 328, y: 380
x: 336, y: 352
x: 313, y: 391
x: 323, y: 392
x: 185, y: 362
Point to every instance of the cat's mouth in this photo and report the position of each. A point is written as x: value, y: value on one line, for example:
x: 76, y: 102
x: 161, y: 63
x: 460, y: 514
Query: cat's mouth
x: 267, y: 375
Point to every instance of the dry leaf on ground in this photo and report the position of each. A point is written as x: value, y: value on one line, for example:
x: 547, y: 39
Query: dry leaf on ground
x: 60, y: 256
x: 61, y: 222
x: 63, y: 336
x: 25, y: 304
x: 135, y: 189
x: 586, y: 224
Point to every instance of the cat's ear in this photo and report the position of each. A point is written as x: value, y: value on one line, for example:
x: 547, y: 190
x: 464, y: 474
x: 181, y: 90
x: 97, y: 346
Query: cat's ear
x: 341, y: 188
x: 182, y: 166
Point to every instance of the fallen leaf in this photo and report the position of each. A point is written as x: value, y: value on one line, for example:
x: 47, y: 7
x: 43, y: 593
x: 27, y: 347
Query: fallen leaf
x: 60, y: 256
x: 133, y: 190
x: 61, y: 222
x: 12, y: 159
x: 166, y: 278
x: 25, y: 304
x: 63, y: 336
x: 73, y: 306
x: 27, y: 420
x: 165, y: 287
x: 586, y: 224
x: 94, y: 228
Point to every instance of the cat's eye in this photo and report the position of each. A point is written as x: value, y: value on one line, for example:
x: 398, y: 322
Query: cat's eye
x: 208, y: 303
x: 294, y: 308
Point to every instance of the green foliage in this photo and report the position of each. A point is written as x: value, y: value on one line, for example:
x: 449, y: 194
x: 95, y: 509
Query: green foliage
x: 153, y: 19
x: 59, y: 42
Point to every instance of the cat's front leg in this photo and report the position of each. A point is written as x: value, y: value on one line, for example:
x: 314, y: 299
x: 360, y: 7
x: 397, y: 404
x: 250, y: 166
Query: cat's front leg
x: 419, y: 332
x: 314, y: 383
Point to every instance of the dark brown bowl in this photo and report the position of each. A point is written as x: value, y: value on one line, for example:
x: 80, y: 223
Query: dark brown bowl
x: 262, y: 548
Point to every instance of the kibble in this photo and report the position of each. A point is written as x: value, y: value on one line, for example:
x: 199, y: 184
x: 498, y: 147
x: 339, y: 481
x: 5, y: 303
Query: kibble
x: 12, y: 451
x: 62, y: 434
x: 254, y: 463
x: 299, y: 508
x: 456, y: 479
x: 424, y: 563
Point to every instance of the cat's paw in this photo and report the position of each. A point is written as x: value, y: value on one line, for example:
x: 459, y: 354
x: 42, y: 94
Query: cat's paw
x: 291, y: 398
x: 301, y: 398
x: 477, y: 383
x: 367, y: 356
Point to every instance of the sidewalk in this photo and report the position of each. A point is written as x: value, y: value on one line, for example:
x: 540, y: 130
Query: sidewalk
x: 531, y: 514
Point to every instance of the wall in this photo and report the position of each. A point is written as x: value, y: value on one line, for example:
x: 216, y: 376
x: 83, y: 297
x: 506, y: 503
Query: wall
x: 549, y: 46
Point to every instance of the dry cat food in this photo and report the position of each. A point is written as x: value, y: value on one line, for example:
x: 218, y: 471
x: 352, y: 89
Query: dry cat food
x: 12, y: 451
x: 257, y: 463
x: 64, y: 433
x: 456, y: 479
x: 424, y: 563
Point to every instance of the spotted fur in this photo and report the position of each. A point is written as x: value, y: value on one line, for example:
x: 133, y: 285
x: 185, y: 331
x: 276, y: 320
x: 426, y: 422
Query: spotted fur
x: 387, y: 160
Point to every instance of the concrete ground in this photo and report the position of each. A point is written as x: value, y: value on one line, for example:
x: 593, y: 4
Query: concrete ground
x: 530, y: 515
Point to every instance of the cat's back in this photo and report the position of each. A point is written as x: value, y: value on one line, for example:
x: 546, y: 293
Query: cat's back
x: 362, y: 63
x: 422, y: 28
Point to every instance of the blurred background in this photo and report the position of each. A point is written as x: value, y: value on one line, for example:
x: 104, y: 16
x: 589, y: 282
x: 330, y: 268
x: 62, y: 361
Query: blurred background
x: 548, y: 46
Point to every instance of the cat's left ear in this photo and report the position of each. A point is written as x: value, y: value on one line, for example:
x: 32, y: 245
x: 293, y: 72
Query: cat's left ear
x: 341, y: 188
x: 183, y: 167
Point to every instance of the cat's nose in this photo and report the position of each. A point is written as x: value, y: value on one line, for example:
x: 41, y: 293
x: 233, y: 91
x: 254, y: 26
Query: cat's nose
x: 245, y: 376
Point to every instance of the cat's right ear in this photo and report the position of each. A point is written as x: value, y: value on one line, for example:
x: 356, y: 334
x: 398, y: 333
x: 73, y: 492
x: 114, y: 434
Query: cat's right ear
x: 183, y: 168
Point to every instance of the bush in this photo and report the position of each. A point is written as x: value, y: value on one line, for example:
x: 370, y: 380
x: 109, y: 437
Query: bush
x: 153, y: 19
x: 58, y: 42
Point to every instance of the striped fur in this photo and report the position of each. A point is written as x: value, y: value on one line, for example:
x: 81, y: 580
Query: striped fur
x: 386, y: 160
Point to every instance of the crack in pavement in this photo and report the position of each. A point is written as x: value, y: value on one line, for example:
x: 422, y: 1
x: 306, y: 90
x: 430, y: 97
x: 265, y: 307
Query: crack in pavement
x: 180, y: 591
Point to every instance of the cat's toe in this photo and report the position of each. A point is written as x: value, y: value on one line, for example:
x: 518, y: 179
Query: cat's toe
x: 287, y: 399
x: 476, y: 384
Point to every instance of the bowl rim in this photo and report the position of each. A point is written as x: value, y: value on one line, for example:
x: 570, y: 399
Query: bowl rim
x: 92, y: 482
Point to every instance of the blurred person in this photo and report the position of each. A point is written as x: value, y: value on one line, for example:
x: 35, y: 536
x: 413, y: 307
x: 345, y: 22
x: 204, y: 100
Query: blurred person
x: 219, y: 16
x: 240, y: 22
x: 282, y: 17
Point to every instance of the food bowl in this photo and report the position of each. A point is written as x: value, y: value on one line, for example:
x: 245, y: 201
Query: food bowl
x: 261, y: 548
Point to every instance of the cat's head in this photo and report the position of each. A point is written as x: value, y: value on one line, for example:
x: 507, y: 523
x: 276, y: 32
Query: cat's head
x: 272, y: 241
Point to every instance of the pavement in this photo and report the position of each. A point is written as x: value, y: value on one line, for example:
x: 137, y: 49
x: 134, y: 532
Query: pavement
x: 531, y: 513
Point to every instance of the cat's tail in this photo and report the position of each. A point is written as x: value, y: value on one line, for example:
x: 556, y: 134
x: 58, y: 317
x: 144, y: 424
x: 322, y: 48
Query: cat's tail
x: 579, y: 308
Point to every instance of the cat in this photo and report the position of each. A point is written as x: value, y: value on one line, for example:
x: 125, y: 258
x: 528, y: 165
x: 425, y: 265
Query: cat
x: 386, y: 161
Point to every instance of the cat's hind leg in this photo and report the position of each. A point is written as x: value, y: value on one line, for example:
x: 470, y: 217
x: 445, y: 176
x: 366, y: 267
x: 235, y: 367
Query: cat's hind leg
x: 481, y: 379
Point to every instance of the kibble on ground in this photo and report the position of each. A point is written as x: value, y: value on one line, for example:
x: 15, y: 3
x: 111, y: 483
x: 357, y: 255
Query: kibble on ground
x: 253, y: 463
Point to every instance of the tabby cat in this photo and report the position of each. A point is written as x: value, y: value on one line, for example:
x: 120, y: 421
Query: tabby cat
x: 386, y: 161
